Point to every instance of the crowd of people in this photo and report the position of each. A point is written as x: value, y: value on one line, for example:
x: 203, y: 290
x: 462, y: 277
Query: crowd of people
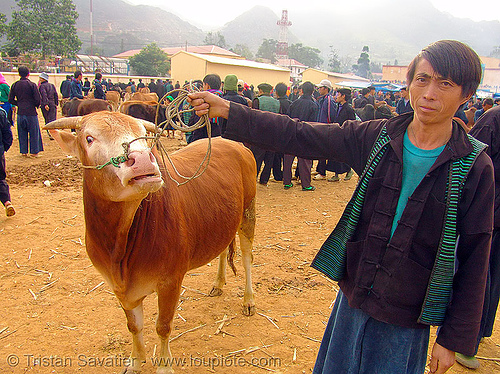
x: 425, y: 194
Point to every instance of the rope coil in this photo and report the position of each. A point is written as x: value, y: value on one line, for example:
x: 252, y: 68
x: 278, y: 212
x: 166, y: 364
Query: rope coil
x: 173, y: 115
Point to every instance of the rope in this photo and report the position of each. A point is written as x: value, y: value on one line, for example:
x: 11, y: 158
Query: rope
x: 172, y: 112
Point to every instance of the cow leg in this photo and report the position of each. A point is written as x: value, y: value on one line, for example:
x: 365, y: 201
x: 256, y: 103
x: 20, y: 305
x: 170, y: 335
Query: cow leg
x: 168, y: 296
x: 246, y: 235
x: 135, y: 324
x: 220, y: 279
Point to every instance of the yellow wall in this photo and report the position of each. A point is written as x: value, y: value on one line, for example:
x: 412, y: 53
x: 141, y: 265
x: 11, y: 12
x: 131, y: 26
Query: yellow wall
x: 315, y: 76
x: 187, y: 67
x: 184, y: 67
x: 56, y: 79
x: 392, y: 73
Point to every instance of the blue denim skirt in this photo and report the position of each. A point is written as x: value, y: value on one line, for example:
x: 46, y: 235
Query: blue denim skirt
x: 355, y: 343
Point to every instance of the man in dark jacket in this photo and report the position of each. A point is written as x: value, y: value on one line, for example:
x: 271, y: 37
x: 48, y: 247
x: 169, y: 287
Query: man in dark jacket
x: 98, y: 89
x: 412, y: 247
x: 344, y: 112
x: 305, y: 108
x: 49, y: 100
x: 231, y: 94
x: 5, y: 143
x: 404, y: 105
x: 25, y: 95
x: 76, y: 86
x: 65, y: 87
x: 487, y: 130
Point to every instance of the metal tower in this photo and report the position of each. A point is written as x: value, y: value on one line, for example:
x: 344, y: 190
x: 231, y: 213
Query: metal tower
x: 282, y: 48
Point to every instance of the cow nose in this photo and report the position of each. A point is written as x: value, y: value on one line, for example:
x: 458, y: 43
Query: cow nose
x: 138, y: 159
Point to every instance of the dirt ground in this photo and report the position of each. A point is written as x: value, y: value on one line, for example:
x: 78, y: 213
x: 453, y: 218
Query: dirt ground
x: 59, y: 317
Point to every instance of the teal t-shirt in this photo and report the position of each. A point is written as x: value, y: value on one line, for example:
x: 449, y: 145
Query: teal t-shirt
x: 416, y: 164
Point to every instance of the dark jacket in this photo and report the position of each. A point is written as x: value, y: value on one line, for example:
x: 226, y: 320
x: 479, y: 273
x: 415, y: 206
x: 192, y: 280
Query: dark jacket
x: 235, y: 98
x: 65, y: 88
x: 487, y: 130
x: 403, y: 107
x: 346, y: 113
x: 24, y: 94
x: 75, y: 89
x: 327, y: 109
x: 98, y: 90
x: 5, y: 133
x: 48, y: 95
x: 284, y: 105
x: 388, y: 277
x: 305, y: 108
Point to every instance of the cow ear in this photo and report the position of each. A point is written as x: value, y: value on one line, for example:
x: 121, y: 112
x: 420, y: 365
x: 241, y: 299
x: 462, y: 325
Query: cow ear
x: 66, y: 140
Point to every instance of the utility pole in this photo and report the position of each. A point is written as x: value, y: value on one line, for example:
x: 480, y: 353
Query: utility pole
x: 91, y: 32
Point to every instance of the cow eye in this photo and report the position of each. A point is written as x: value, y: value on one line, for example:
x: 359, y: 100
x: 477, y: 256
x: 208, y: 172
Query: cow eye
x: 90, y: 139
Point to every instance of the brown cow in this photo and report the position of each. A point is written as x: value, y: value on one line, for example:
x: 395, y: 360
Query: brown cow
x: 143, y: 233
x: 144, y: 97
x: 112, y: 97
x: 145, y: 110
x: 81, y: 107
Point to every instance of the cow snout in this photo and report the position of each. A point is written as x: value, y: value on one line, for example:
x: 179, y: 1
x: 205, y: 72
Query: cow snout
x: 141, y: 159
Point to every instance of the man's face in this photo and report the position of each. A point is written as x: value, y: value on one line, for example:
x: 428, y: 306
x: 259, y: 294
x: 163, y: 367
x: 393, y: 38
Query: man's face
x: 323, y: 90
x: 339, y: 98
x: 435, y: 99
x: 487, y: 106
x: 404, y: 94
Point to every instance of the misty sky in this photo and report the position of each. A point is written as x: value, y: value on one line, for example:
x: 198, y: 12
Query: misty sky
x: 207, y: 15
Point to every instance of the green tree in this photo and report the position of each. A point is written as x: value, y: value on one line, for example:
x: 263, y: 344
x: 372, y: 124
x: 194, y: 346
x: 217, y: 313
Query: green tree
x: 47, y: 27
x: 362, y: 68
x: 334, y: 63
x: 243, y: 50
x: 3, y: 24
x: 215, y: 38
x: 267, y: 50
x: 307, y: 55
x: 496, y: 52
x: 150, y: 61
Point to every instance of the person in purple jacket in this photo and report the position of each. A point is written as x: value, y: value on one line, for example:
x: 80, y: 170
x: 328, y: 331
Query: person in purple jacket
x: 412, y: 247
x: 25, y: 95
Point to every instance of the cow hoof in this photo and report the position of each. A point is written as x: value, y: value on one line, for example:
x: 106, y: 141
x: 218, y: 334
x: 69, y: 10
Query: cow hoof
x: 215, y: 292
x: 164, y: 370
x: 130, y: 370
x: 248, y: 310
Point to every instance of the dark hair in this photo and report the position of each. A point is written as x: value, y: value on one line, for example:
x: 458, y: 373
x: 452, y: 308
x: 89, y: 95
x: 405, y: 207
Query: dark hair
x: 77, y: 73
x: 453, y: 60
x: 488, y: 101
x: 371, y: 88
x: 23, y: 71
x: 345, y: 91
x: 281, y: 89
x: 265, y: 87
x: 213, y: 81
x: 365, y: 91
x: 68, y: 76
x: 307, y: 88
x: 98, y: 76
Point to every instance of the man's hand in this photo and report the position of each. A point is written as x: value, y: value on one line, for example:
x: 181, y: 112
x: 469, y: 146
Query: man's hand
x: 441, y: 359
x: 206, y: 102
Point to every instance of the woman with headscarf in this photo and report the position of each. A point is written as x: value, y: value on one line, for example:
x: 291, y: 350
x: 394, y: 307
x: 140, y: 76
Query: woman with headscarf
x: 4, y: 98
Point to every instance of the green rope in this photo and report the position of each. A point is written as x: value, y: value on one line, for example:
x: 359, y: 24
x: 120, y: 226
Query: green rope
x: 115, y: 161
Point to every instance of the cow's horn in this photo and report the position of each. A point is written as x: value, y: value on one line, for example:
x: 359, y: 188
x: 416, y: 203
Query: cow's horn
x: 64, y: 123
x: 150, y: 126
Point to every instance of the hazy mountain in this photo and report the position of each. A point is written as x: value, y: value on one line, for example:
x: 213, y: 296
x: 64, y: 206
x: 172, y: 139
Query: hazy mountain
x: 251, y: 27
x: 119, y: 26
x: 393, y: 29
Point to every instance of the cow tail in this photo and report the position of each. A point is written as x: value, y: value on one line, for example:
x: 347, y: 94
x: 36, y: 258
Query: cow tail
x: 230, y: 255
